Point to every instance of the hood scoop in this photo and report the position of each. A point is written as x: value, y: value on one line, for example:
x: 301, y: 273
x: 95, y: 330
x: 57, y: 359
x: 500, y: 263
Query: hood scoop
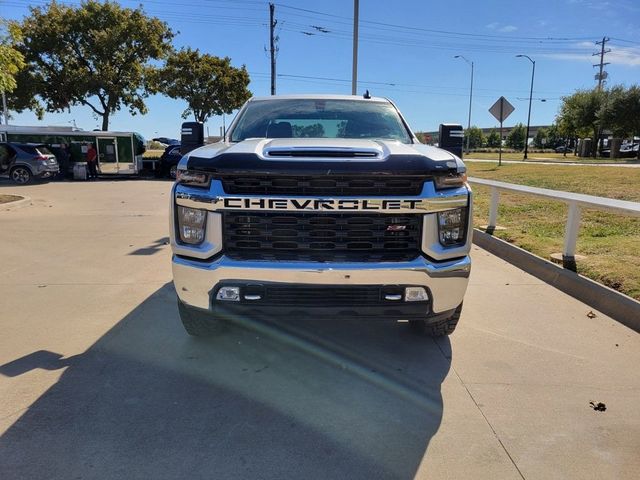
x: 323, y: 152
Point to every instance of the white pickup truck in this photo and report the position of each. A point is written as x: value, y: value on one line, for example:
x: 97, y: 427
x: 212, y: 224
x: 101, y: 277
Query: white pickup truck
x: 324, y: 205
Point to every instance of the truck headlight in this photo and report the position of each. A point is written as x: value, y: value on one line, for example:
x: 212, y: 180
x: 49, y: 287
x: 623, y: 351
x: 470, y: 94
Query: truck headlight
x: 191, y: 224
x: 452, y: 227
x: 452, y: 180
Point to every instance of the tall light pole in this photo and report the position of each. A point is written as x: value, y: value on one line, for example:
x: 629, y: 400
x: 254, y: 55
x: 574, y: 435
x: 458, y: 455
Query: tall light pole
x: 533, y: 72
x: 470, y: 99
x: 354, y: 71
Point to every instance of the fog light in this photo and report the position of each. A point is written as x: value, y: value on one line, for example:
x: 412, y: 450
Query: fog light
x: 191, y: 223
x: 451, y: 226
x: 415, y: 294
x: 229, y: 294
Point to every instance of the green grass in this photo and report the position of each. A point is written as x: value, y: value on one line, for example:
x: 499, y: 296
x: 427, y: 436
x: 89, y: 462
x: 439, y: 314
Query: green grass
x: 152, y: 154
x: 548, y: 157
x: 610, y: 242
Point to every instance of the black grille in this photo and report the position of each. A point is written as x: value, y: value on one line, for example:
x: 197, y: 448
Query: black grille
x: 322, y: 237
x: 319, y: 295
x: 341, y: 185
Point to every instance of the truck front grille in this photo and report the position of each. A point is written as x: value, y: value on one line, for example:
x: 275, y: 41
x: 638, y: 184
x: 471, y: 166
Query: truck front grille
x: 321, y: 237
x: 338, y: 185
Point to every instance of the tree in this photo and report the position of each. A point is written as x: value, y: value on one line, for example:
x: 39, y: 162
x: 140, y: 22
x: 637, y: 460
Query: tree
x: 11, y: 60
x: 582, y: 111
x: 476, y: 137
x: 315, y: 130
x: 621, y: 112
x: 493, y: 140
x: 209, y: 84
x: 516, y: 137
x: 541, y: 138
x: 96, y: 54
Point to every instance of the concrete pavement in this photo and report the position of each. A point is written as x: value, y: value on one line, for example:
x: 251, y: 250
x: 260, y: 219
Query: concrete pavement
x: 98, y: 379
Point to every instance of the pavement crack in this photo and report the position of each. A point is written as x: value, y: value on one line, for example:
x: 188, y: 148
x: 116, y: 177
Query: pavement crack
x: 482, y: 413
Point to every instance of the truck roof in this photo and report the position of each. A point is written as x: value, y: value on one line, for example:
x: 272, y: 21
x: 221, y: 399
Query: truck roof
x: 318, y: 97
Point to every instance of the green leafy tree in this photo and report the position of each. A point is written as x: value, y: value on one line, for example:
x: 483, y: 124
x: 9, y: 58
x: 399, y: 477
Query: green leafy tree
x: 621, y: 112
x: 315, y: 130
x: 97, y: 54
x: 541, y: 139
x: 554, y: 136
x: 582, y: 112
x: 11, y: 59
x: 493, y: 139
x: 475, y: 136
x: 516, y: 137
x: 210, y: 85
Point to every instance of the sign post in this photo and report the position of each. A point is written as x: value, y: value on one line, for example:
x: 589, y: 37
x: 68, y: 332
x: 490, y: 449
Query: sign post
x: 501, y: 110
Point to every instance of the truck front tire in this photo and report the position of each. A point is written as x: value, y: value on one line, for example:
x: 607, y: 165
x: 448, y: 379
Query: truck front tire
x: 440, y: 328
x: 198, y: 323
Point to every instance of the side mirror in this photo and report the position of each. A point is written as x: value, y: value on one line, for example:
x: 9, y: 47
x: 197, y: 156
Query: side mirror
x: 192, y: 136
x: 451, y: 138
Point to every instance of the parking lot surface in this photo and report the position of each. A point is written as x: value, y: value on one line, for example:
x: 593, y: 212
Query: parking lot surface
x: 99, y: 380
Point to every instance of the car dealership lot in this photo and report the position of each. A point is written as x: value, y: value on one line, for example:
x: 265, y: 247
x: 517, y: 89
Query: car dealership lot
x: 99, y: 380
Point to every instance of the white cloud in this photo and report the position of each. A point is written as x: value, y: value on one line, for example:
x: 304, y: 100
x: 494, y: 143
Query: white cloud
x: 627, y: 56
x: 508, y: 28
x: 492, y: 26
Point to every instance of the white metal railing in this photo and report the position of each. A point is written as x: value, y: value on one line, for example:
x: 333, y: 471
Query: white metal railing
x: 576, y: 202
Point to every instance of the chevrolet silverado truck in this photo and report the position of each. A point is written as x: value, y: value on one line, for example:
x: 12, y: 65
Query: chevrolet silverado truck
x: 320, y: 205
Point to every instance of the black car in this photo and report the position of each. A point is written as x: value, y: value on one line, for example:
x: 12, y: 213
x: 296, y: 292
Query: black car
x: 564, y: 149
x: 169, y: 161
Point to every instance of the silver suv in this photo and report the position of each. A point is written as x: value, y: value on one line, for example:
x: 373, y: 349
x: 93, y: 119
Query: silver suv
x: 24, y: 162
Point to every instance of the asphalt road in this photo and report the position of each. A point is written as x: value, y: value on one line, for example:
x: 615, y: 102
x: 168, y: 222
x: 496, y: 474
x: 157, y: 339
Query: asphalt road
x: 99, y: 381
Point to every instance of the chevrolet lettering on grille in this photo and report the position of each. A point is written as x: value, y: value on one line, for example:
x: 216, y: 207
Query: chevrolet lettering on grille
x: 407, y: 205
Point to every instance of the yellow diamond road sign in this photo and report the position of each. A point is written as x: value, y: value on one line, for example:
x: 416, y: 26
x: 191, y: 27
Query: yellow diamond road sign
x: 501, y: 109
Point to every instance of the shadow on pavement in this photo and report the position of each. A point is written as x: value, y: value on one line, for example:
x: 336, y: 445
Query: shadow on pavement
x: 297, y: 398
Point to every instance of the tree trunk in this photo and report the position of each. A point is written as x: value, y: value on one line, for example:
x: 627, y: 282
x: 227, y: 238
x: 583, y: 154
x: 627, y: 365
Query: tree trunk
x: 105, y: 121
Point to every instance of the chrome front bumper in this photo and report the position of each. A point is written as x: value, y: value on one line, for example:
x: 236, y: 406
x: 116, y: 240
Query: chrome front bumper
x: 195, y: 280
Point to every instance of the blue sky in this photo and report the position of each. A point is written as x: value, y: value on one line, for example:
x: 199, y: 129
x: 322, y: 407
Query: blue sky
x: 406, y: 53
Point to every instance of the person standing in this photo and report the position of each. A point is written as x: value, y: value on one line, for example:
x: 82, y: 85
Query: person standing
x: 92, y: 162
x: 63, y: 161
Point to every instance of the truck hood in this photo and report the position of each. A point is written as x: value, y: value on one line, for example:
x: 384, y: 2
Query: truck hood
x: 321, y: 156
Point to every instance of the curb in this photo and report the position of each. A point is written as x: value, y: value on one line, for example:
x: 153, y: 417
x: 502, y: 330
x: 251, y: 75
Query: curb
x: 16, y: 203
x: 614, y: 304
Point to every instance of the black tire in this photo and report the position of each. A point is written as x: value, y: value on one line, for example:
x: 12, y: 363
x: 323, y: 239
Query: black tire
x: 21, y: 175
x: 173, y: 170
x: 199, y: 324
x: 440, y: 328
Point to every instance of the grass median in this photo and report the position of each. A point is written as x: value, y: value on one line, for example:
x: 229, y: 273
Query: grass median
x: 610, y: 242
x: 547, y: 157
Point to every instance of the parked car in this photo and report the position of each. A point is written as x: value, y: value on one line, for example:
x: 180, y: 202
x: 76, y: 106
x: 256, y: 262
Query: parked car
x: 169, y: 161
x: 24, y: 162
x: 564, y: 149
x: 626, y: 151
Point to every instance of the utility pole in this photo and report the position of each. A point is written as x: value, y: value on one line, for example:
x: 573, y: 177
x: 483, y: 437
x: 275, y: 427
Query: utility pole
x: 354, y: 72
x: 533, y: 74
x: 601, y: 75
x: 272, y: 40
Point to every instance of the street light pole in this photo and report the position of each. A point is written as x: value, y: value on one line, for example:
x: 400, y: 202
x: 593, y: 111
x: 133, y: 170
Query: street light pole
x: 533, y: 72
x: 470, y: 99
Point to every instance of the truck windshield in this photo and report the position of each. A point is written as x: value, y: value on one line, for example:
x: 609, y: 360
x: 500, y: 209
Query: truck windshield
x: 319, y: 118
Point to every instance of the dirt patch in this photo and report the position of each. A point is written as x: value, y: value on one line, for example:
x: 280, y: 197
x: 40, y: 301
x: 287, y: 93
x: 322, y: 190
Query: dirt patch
x: 9, y: 198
